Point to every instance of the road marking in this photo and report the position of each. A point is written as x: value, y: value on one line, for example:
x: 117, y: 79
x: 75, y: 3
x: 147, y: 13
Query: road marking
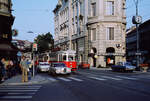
x: 20, y: 93
x: 52, y: 79
x: 19, y: 86
x: 76, y: 79
x: 18, y: 90
x: 97, y: 78
x: 127, y: 77
x: 107, y: 77
x: 15, y: 97
x: 64, y: 79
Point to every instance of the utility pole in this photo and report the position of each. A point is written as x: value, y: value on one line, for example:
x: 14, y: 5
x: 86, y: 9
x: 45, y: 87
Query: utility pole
x: 137, y: 20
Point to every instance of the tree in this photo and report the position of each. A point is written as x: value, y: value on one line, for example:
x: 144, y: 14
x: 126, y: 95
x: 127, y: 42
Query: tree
x: 45, y: 42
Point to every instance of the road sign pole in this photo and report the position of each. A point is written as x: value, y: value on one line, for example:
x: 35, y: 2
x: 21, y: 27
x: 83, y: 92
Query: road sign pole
x: 33, y: 65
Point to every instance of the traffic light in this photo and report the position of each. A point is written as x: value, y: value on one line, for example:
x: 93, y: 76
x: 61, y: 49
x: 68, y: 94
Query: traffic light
x: 34, y: 47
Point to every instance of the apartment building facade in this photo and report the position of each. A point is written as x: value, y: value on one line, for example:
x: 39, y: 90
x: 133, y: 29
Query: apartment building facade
x: 6, y: 22
x: 95, y: 29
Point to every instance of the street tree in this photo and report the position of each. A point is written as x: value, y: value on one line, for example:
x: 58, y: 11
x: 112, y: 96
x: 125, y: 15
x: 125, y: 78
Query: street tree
x: 45, y: 42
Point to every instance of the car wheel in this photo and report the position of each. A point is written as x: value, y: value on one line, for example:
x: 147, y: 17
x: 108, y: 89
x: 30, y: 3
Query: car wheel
x: 49, y: 72
x: 53, y: 73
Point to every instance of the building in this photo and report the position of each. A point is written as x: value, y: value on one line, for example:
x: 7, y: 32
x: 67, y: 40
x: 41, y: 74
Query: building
x: 144, y: 39
x: 6, y: 22
x: 94, y: 28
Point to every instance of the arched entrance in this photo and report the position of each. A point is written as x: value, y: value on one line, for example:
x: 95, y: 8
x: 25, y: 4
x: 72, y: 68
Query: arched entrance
x: 93, y: 58
x: 110, y: 58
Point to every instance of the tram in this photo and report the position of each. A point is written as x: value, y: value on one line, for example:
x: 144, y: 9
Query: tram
x: 67, y: 57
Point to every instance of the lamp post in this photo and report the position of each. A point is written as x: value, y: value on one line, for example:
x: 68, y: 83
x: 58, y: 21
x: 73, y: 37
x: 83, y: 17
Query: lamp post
x: 137, y: 20
x: 34, y: 49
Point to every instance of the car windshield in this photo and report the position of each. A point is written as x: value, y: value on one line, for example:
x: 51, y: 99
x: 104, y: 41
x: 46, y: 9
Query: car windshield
x: 43, y: 64
x: 128, y: 63
x: 59, y: 65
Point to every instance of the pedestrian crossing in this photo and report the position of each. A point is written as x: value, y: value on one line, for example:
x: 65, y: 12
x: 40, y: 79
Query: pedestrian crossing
x: 92, y: 77
x: 18, y: 92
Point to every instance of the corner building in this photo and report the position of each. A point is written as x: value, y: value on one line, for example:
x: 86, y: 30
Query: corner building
x: 95, y: 29
x: 6, y: 21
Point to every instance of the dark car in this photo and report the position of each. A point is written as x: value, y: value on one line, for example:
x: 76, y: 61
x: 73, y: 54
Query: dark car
x: 84, y: 65
x: 123, y: 66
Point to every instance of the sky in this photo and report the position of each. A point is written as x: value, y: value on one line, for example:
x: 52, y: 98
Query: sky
x: 37, y: 16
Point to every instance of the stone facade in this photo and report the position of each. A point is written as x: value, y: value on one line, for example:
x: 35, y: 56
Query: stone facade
x: 7, y: 50
x: 95, y: 29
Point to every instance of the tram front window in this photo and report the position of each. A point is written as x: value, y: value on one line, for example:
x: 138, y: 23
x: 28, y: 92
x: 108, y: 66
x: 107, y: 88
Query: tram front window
x: 70, y: 58
x: 64, y: 58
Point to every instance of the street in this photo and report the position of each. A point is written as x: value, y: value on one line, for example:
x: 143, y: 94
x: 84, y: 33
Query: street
x: 85, y: 85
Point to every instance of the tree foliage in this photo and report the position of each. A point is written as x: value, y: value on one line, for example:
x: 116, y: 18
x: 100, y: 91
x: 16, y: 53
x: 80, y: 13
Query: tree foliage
x: 45, y: 42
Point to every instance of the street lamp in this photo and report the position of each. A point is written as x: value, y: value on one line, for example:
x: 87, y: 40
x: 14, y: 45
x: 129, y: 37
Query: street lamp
x: 137, y: 20
x: 34, y: 49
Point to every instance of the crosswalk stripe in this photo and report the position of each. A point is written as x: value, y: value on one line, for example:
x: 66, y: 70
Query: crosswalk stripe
x: 52, y: 79
x: 18, y: 90
x: 76, y: 79
x: 15, y: 97
x: 20, y: 93
x: 23, y: 93
x: 64, y: 79
x: 97, y: 78
x: 127, y: 77
x: 19, y: 86
x: 107, y: 77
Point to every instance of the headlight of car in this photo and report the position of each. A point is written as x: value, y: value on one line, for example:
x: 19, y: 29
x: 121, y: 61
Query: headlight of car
x: 58, y: 70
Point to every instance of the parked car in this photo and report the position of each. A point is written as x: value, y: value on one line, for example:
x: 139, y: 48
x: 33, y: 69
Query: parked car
x: 59, y: 68
x: 84, y: 65
x: 123, y: 66
x: 43, y: 67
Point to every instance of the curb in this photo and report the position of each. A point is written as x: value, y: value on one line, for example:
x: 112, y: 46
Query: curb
x: 26, y: 83
x: 94, y: 68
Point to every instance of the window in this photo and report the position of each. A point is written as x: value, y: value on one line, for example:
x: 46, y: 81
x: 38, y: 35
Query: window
x: 4, y: 5
x: 93, y: 6
x: 81, y: 8
x: 110, y: 33
x: 93, y: 36
x: 110, y: 8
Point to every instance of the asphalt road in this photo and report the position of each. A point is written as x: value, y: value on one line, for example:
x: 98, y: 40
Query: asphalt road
x: 86, y: 85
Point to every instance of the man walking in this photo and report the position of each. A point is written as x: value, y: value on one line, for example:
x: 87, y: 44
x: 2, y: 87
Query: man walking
x: 24, y: 66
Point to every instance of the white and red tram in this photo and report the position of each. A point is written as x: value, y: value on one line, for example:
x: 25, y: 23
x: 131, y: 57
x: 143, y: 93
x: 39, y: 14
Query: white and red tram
x: 67, y: 57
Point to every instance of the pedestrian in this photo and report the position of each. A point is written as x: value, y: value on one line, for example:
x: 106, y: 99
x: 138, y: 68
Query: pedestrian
x: 3, y: 69
x: 24, y: 66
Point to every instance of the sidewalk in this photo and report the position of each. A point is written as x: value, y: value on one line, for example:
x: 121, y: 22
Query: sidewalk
x: 95, y: 68
x: 17, y: 80
x: 109, y: 69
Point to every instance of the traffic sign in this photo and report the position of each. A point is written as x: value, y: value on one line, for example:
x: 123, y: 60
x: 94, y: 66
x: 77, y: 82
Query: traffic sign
x: 19, y: 54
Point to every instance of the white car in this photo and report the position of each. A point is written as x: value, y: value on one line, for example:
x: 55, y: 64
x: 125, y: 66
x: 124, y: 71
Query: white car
x: 59, y: 68
x: 43, y: 67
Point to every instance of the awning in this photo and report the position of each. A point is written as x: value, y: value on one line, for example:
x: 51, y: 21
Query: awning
x: 7, y: 47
